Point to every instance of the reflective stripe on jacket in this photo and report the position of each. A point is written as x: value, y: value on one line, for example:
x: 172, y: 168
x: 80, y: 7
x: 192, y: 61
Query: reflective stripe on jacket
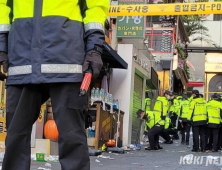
x: 184, y: 110
x: 198, y: 111
x: 48, y: 38
x: 161, y: 105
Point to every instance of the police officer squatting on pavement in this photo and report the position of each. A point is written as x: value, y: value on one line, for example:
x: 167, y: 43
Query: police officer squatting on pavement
x: 204, y: 118
x: 46, y: 46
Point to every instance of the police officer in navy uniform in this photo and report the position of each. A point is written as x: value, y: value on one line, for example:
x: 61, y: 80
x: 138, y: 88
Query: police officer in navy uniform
x: 46, y: 46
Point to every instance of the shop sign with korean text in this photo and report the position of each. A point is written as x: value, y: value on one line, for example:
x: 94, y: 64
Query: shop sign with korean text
x: 131, y: 26
x: 164, y: 9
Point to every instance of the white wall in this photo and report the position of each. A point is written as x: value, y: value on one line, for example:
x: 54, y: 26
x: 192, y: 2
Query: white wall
x: 122, y: 85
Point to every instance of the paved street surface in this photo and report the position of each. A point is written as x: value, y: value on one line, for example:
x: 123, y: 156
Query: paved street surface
x: 167, y: 159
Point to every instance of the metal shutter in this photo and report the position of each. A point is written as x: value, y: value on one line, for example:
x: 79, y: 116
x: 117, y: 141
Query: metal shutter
x: 137, y: 104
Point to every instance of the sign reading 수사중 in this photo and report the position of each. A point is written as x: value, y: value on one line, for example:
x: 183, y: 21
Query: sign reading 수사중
x: 166, y: 9
x: 130, y: 26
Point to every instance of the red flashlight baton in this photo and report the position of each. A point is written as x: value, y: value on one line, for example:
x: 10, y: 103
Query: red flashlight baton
x: 86, y: 82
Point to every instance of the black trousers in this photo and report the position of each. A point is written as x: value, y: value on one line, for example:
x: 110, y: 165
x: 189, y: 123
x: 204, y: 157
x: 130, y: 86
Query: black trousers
x: 174, y: 122
x: 212, y: 138
x: 220, y: 138
x: 23, y: 108
x: 199, y: 131
x: 153, y: 135
x: 165, y: 134
x: 185, y: 129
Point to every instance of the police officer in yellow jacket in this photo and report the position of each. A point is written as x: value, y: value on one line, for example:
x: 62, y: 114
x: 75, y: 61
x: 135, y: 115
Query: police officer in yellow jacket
x: 198, y: 115
x: 161, y: 106
x: 155, y: 125
x: 185, y: 126
x: 147, y: 106
x: 147, y: 102
x: 214, y: 115
x: 160, y: 109
x: 174, y: 116
x: 168, y: 130
x: 47, y: 45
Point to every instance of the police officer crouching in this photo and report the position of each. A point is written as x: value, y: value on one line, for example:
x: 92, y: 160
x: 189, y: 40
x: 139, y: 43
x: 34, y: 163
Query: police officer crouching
x: 168, y: 130
x: 198, y: 115
x: 214, y: 115
x: 155, y: 125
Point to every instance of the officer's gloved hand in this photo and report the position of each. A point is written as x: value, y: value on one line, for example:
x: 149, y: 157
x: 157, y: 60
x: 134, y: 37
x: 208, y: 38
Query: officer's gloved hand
x: 4, y: 63
x: 93, y: 60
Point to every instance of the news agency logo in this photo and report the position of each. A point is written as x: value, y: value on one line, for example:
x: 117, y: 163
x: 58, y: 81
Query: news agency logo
x: 200, y: 160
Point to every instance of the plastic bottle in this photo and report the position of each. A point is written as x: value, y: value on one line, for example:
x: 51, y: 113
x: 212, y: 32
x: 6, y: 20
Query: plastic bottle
x: 107, y: 97
x: 97, y: 94
x: 110, y: 98
x: 102, y: 95
x: 93, y: 94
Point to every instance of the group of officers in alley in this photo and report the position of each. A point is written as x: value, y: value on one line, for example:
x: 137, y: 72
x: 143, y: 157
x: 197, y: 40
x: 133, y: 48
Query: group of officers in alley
x: 173, y: 114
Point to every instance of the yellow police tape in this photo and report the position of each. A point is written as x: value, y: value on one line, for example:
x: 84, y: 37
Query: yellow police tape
x: 167, y: 9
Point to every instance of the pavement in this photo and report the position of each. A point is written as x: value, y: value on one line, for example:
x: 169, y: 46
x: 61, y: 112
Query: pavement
x: 167, y: 159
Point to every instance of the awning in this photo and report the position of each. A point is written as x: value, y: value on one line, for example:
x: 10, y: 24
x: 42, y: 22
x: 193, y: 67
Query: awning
x: 166, y: 64
x: 111, y: 57
x: 181, y: 75
x: 153, y: 82
x: 195, y: 84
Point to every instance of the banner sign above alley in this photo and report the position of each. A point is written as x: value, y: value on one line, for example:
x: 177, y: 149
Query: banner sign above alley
x: 167, y: 9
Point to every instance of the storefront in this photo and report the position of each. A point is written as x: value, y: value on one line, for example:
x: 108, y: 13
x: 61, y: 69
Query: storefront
x: 130, y: 87
x: 213, y: 77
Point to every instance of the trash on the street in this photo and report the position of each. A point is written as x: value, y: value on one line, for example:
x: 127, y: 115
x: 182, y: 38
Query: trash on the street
x: 40, y: 157
x: 52, y: 158
x: 97, y: 160
x: 132, y: 146
x: 181, y: 151
x: 156, y: 166
x: 105, y: 157
x: 44, y: 168
x: 94, y: 152
x: 33, y: 157
x: 135, y: 163
x: 48, y: 165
